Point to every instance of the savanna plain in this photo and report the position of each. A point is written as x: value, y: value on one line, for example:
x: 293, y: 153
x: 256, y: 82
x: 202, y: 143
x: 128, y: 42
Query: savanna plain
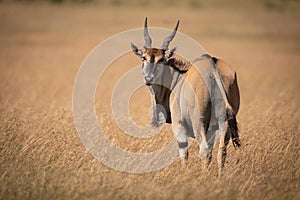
x: 42, y: 47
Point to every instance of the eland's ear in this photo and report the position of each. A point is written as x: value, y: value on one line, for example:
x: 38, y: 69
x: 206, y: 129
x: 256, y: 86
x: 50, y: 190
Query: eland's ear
x: 171, y: 53
x: 136, y: 50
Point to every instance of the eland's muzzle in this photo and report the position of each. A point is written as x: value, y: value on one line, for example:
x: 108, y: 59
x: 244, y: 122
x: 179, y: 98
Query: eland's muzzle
x: 148, y: 80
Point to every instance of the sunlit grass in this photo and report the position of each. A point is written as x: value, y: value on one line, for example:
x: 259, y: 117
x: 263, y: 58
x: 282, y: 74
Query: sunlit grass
x: 41, y: 155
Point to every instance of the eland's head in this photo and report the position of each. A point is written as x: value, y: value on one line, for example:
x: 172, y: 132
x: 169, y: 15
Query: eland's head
x: 153, y: 59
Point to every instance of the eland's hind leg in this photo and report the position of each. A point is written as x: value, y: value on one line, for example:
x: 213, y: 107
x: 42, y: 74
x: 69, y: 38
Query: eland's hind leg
x: 200, y: 126
x: 204, y: 149
x: 222, y: 151
x: 210, y: 139
x: 180, y: 133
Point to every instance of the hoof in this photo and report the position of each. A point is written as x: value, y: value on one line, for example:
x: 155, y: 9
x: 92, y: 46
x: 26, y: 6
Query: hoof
x: 183, y: 163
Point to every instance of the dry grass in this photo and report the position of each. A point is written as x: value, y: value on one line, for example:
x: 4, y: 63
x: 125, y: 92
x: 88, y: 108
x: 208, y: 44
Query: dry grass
x: 41, y: 155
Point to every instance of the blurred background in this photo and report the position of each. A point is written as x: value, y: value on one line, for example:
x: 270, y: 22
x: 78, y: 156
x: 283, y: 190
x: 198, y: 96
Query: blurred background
x: 42, y: 45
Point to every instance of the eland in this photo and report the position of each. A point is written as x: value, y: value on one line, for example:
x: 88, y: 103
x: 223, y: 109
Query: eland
x: 199, y: 98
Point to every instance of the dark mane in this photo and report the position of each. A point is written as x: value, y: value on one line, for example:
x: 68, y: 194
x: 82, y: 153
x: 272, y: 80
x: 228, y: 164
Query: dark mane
x: 179, y: 64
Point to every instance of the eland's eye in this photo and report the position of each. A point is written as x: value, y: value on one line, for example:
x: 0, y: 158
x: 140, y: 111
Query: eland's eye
x: 161, y: 60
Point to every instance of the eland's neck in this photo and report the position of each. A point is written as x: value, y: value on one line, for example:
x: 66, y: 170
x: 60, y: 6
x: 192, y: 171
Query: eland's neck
x: 172, y: 75
x: 181, y: 65
x: 177, y: 68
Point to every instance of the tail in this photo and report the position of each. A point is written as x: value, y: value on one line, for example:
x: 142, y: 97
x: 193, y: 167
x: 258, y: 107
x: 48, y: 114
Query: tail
x: 233, y: 127
x: 230, y: 114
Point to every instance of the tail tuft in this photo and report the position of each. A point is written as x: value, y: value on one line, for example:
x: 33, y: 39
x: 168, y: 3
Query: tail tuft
x: 233, y: 127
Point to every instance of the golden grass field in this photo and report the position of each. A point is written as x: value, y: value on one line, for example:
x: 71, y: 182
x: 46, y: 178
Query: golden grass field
x: 42, y: 48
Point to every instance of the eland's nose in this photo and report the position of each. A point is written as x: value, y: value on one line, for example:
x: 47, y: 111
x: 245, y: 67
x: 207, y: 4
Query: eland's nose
x: 148, y: 80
